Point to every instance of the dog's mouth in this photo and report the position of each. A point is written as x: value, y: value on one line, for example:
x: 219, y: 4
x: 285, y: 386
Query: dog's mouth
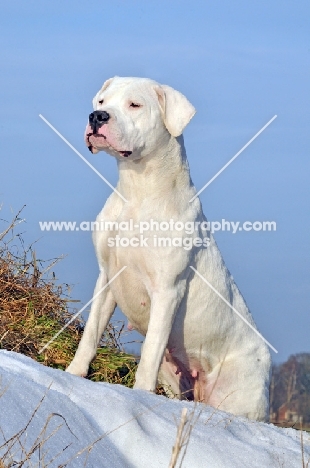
x: 100, y: 136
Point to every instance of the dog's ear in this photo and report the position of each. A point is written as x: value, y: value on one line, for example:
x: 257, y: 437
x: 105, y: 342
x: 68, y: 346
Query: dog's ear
x: 103, y: 88
x: 176, y: 110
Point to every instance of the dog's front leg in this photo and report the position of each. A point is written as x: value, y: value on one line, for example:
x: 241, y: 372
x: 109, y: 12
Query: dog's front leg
x: 101, y: 311
x: 163, y: 309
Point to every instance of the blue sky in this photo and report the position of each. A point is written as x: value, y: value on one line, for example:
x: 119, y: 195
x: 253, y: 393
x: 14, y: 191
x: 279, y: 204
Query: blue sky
x: 239, y: 63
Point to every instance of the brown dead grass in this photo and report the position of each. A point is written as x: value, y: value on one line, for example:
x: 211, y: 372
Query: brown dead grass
x: 34, y: 307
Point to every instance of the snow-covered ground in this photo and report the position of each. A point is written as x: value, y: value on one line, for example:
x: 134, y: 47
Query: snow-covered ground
x: 135, y: 429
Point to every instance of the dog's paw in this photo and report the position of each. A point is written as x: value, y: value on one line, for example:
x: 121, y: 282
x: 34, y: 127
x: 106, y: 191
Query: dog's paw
x: 77, y: 369
x: 143, y: 386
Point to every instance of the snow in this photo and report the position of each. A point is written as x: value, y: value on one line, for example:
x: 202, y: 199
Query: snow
x: 136, y: 429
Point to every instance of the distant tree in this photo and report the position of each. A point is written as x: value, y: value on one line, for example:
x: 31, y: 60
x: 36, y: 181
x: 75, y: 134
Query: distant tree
x: 290, y: 386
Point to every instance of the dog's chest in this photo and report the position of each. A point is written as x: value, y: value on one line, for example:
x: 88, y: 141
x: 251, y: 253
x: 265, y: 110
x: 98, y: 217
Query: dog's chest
x: 117, y: 246
x: 120, y: 239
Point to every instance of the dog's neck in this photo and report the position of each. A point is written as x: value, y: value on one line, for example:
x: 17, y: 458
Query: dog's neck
x: 157, y: 175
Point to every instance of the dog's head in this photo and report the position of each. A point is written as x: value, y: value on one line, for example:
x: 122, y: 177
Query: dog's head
x: 133, y: 117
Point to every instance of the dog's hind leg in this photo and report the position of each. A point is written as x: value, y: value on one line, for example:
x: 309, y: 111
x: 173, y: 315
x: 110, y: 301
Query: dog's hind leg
x: 175, y: 379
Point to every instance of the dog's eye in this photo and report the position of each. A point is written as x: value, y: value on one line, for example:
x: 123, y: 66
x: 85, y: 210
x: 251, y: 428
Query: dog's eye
x: 101, y: 101
x: 134, y: 104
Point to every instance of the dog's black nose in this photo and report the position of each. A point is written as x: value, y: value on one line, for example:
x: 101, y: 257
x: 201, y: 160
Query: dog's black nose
x: 97, y: 119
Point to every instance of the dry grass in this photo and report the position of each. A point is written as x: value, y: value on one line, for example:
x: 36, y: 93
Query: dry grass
x: 33, y: 307
x: 15, y: 447
x: 182, y: 439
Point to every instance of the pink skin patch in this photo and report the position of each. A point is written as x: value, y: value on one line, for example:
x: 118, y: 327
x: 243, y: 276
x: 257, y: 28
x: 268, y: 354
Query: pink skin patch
x: 103, y: 139
x: 194, y: 373
x: 190, y: 378
x: 130, y: 326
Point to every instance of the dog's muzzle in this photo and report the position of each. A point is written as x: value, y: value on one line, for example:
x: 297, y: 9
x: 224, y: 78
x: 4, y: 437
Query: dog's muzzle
x: 97, y: 119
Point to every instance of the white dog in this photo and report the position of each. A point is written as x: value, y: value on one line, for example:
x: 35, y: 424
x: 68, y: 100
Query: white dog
x: 195, y: 344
